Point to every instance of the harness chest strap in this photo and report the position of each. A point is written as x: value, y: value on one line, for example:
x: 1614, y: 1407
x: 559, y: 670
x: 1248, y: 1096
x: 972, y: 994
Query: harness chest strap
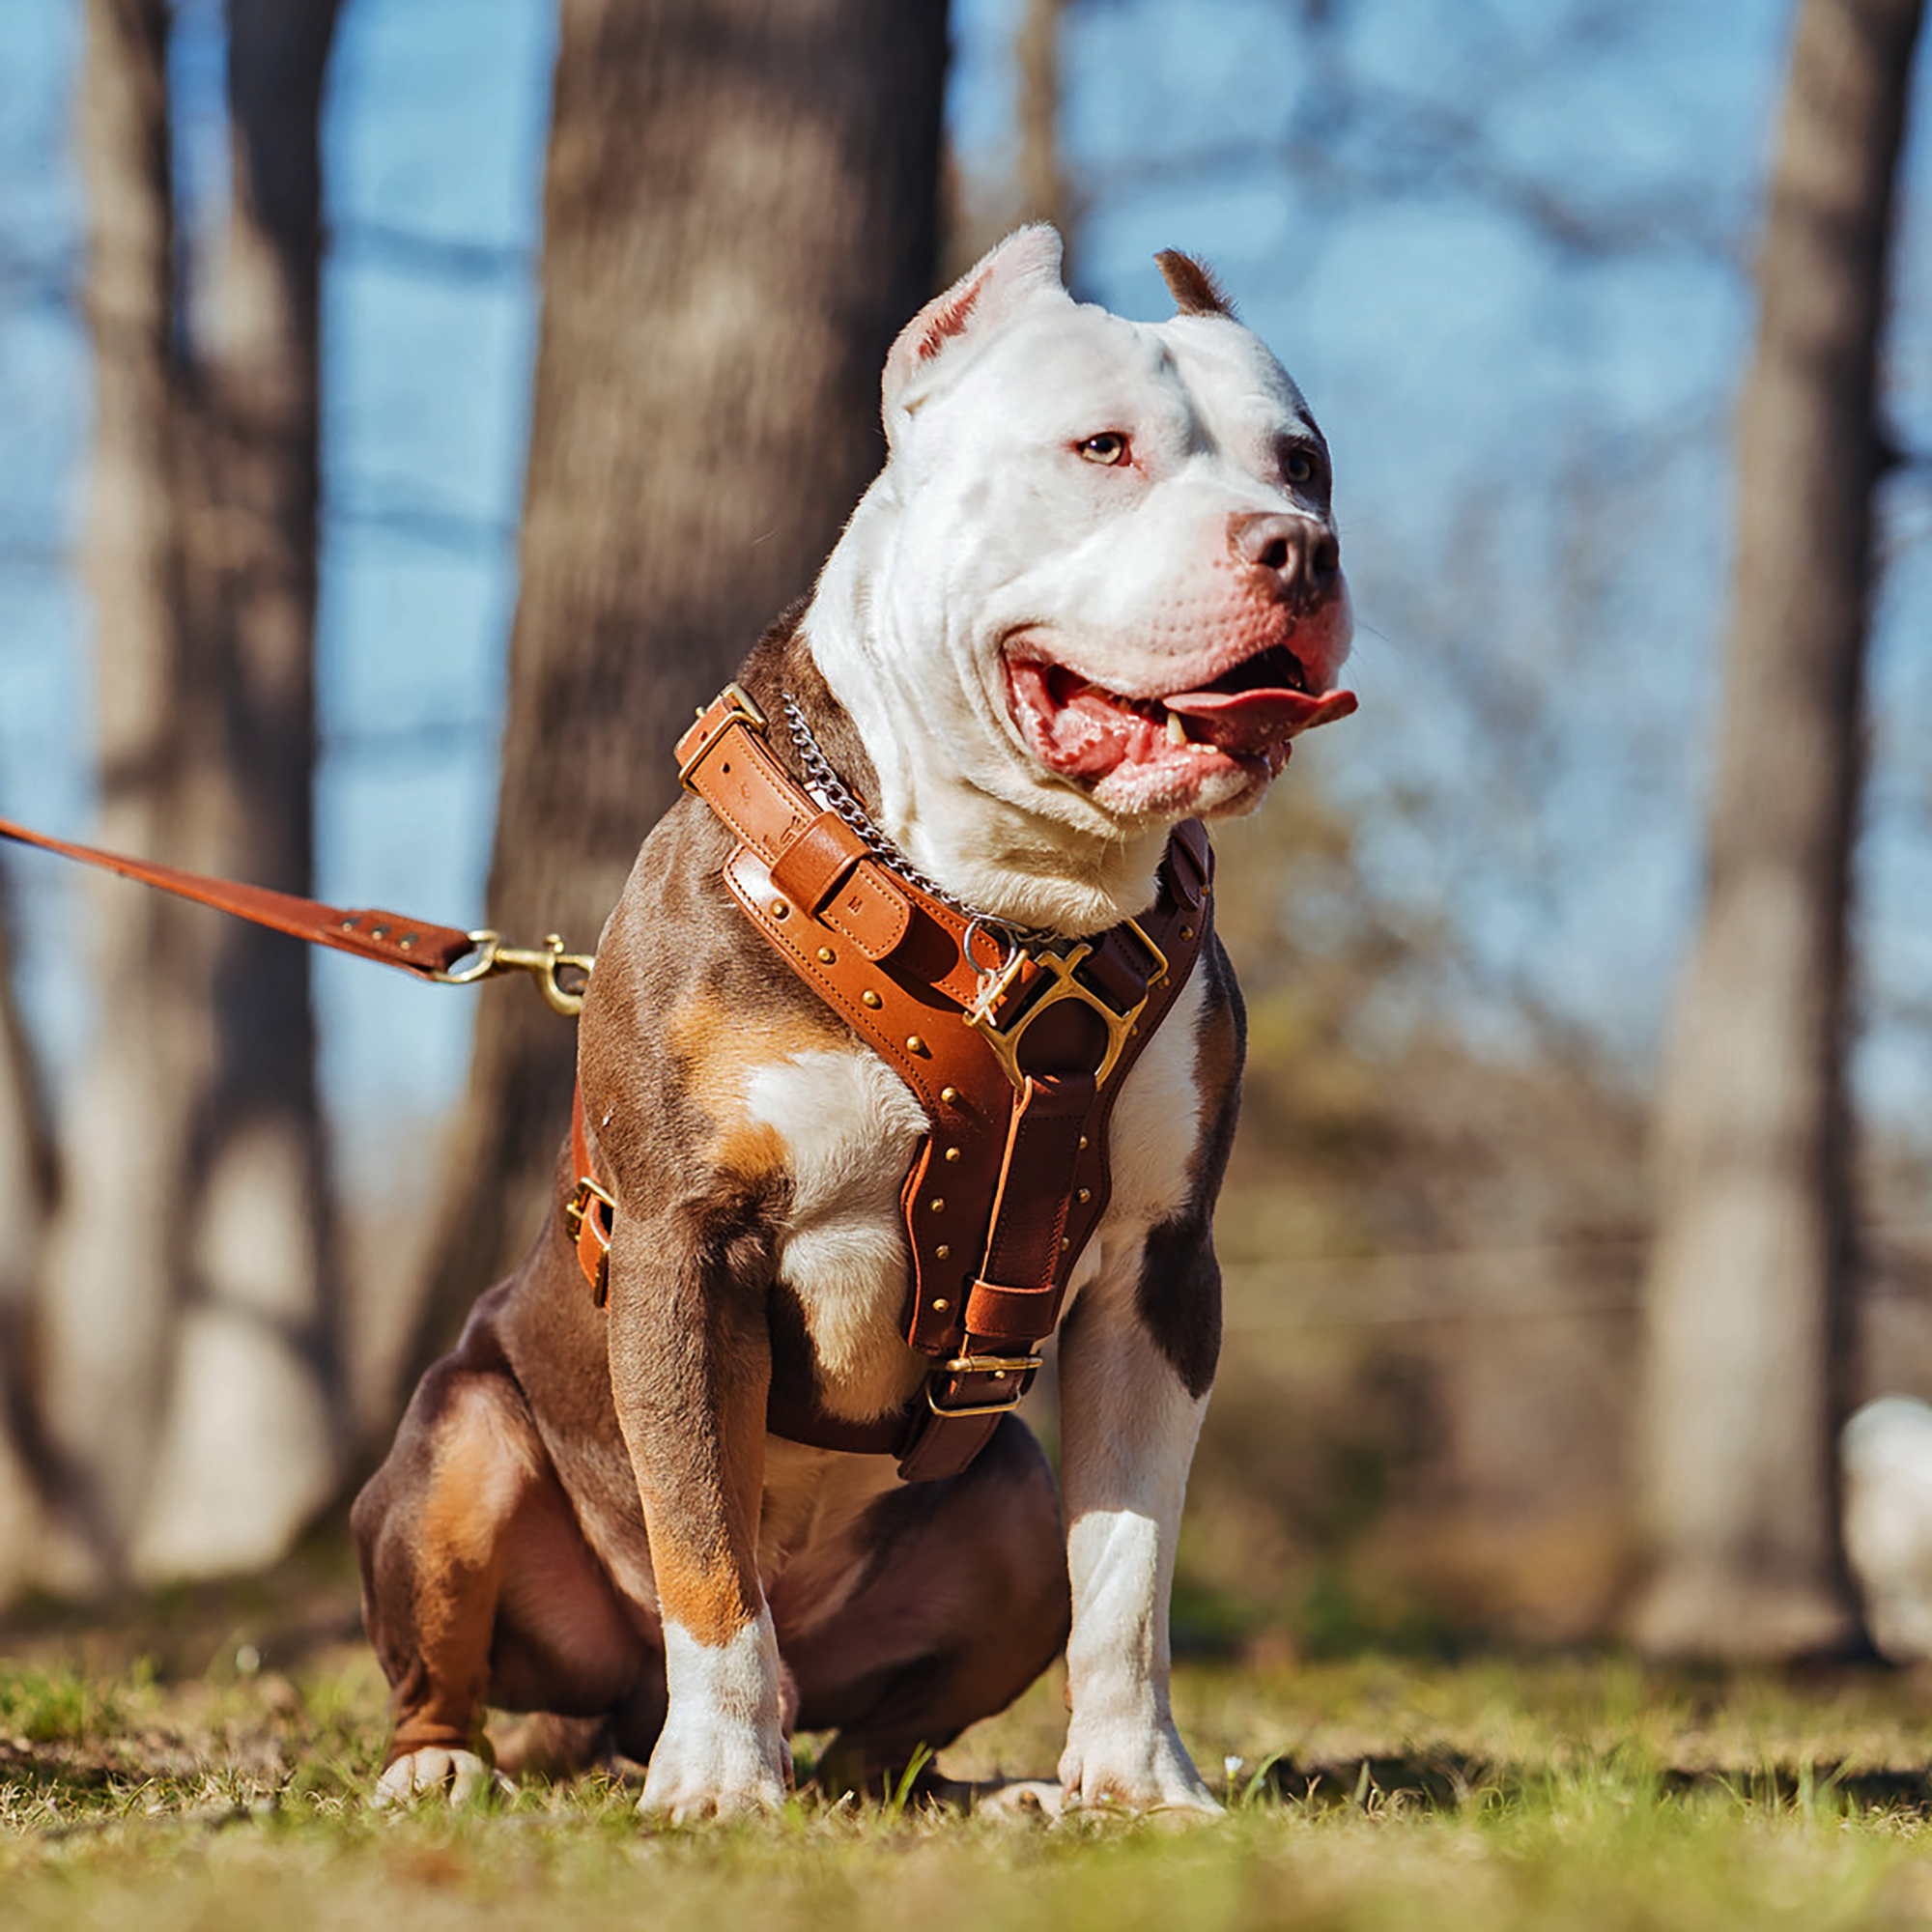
x: 1016, y: 1063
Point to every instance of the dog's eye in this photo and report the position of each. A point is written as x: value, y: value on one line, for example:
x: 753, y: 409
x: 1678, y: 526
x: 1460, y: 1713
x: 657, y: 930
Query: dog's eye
x: 1304, y: 466
x: 1110, y: 447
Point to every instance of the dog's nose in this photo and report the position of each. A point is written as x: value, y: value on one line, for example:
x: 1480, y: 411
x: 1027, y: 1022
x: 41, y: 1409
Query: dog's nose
x: 1303, y: 559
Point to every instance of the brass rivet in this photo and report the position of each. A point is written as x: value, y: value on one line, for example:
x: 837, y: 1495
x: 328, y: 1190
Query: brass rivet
x: 937, y: 1204
x: 407, y: 939
x: 779, y: 909
x: 950, y: 1094
x: 940, y: 1304
x: 1083, y: 1143
x: 348, y: 925
x: 914, y: 1043
x: 951, y: 1154
x: 825, y: 954
x: 869, y: 998
x: 999, y: 1375
x: 1065, y: 1242
x: 1086, y: 1195
x: 378, y: 932
x: 1187, y: 932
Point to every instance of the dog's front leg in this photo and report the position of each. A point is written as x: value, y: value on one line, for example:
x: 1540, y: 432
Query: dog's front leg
x: 1134, y: 1382
x: 690, y: 1366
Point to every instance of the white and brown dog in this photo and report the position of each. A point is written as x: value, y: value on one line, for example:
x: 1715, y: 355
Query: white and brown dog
x: 1093, y: 593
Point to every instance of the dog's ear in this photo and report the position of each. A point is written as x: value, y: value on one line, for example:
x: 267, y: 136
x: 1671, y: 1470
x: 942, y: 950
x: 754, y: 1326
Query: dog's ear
x: 1194, y: 289
x: 1023, y: 267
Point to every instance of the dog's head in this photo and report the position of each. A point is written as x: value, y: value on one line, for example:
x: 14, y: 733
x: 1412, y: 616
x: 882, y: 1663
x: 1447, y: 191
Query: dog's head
x: 1099, y: 580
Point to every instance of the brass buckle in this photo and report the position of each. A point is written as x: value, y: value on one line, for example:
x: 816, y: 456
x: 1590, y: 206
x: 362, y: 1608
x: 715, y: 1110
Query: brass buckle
x: 577, y: 1207
x: 576, y: 1211
x: 1005, y: 1040
x: 547, y: 962
x: 739, y: 709
x: 1019, y: 1367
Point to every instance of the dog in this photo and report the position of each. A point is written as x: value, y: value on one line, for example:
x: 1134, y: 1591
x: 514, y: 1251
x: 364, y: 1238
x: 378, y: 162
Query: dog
x: 1093, y: 593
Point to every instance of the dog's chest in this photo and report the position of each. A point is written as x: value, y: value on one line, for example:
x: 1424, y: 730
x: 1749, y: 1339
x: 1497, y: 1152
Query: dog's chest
x: 849, y: 1127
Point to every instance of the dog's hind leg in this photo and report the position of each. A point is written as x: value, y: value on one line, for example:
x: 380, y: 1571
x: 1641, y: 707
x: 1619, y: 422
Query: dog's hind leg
x: 965, y: 1605
x: 461, y: 1514
x: 430, y: 1530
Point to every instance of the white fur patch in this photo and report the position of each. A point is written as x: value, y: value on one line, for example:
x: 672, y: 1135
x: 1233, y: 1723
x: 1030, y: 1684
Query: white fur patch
x: 1157, y: 1123
x: 1122, y: 1745
x: 1127, y: 1431
x: 722, y: 1746
x: 850, y: 1125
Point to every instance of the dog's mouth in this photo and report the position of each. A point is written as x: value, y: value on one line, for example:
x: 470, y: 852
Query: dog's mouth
x: 1247, y: 717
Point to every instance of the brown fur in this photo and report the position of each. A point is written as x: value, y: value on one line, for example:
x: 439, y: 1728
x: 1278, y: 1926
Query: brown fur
x: 719, y: 1052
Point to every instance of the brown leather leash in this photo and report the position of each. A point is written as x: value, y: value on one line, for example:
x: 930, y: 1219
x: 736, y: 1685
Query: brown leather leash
x: 1017, y: 1053
x: 439, y: 952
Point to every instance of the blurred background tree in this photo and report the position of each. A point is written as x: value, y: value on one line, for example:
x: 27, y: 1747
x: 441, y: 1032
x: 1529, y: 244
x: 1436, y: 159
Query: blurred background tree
x: 1505, y: 251
x: 186, y: 1286
x: 26, y: 1193
x: 1750, y: 1275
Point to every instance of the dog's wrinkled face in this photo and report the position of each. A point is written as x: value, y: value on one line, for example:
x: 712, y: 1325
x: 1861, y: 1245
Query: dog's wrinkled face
x: 1098, y: 580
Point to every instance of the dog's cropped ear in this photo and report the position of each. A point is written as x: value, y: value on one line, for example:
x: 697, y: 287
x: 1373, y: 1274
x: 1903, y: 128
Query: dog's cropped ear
x: 1024, y: 266
x: 1194, y: 289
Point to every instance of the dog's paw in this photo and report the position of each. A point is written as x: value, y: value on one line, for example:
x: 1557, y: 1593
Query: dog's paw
x: 458, y: 1775
x: 723, y: 1750
x: 1030, y: 1801
x: 713, y: 1775
x: 1144, y: 1769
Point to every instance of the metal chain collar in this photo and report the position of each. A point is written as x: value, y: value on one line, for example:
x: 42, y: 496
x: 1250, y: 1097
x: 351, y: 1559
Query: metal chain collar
x: 832, y: 792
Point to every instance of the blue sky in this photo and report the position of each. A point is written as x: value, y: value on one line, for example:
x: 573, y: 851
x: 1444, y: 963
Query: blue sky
x: 1532, y: 446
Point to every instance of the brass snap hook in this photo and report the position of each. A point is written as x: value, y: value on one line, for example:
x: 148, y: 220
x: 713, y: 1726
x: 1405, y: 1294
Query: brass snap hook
x: 561, y: 976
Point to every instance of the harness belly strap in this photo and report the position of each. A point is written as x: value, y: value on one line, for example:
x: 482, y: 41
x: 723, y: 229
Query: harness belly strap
x: 1016, y: 1064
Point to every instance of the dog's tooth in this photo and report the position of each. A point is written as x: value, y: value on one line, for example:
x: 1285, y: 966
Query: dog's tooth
x: 1177, y: 730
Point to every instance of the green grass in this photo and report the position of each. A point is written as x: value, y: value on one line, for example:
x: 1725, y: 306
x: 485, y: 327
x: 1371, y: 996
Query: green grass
x: 1368, y: 1793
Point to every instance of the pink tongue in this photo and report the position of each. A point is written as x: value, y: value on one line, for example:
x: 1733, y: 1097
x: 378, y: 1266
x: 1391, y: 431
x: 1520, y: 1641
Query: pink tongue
x: 1251, y: 721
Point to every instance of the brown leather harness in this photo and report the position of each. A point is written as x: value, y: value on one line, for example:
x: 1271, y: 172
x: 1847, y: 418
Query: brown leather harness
x: 1016, y: 1052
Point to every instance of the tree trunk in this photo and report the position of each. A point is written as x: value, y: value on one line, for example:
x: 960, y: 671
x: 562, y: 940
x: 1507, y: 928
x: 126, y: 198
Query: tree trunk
x: 1750, y: 1276
x: 1046, y: 193
x: 26, y: 1195
x: 186, y: 1385
x: 740, y: 210
x: 257, y: 1351
x: 112, y: 1267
